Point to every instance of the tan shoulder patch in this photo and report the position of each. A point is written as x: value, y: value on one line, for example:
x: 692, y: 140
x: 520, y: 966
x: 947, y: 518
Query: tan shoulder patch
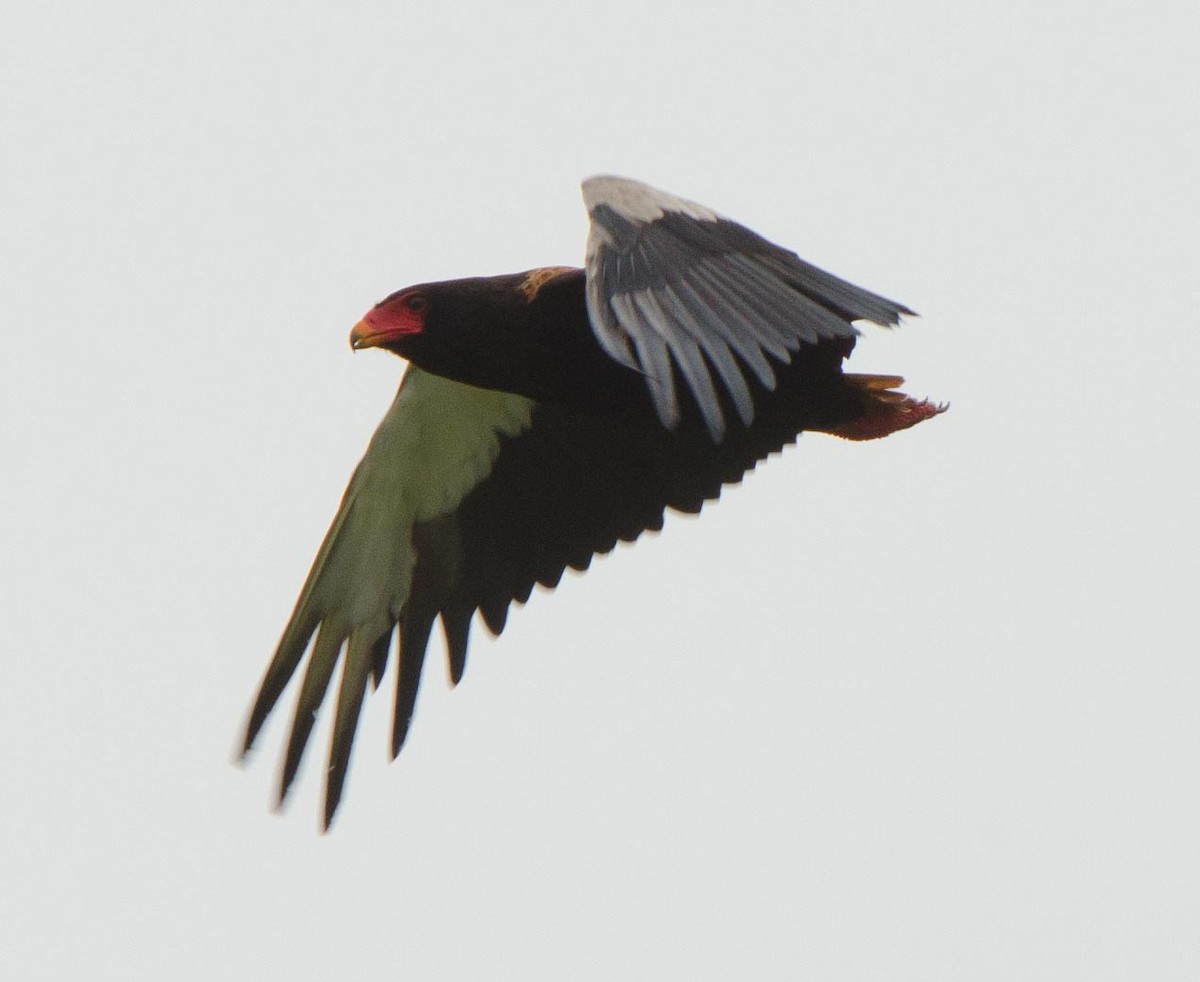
x: 535, y: 279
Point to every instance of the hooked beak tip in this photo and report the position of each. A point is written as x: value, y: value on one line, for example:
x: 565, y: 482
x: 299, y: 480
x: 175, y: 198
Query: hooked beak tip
x: 363, y: 336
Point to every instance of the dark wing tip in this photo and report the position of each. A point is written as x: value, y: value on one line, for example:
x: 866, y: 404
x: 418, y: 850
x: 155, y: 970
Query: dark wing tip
x: 379, y: 658
x: 897, y: 312
x: 301, y: 730
x: 287, y: 657
x: 456, y: 626
x: 324, y: 658
x: 258, y: 716
x: 359, y: 661
x: 414, y: 637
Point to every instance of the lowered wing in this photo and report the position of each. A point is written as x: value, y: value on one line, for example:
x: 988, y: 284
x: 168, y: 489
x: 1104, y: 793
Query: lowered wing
x: 436, y: 443
x: 465, y: 500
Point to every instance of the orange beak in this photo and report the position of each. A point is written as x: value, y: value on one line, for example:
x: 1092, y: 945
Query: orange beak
x: 380, y: 327
x: 366, y: 335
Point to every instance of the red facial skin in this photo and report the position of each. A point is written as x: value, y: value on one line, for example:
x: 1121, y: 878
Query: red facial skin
x: 399, y: 315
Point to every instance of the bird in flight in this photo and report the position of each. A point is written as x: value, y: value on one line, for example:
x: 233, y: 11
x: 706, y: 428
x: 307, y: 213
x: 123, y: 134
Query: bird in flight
x: 545, y: 416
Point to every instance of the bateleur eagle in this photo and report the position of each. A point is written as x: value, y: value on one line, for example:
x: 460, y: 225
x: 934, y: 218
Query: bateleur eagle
x: 546, y: 415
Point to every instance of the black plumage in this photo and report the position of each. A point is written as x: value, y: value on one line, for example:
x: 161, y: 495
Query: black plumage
x: 550, y: 414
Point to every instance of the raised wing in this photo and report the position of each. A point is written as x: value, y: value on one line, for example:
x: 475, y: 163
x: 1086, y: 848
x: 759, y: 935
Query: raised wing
x: 672, y: 286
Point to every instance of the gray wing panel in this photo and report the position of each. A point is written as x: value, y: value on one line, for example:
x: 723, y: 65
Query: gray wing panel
x: 684, y: 296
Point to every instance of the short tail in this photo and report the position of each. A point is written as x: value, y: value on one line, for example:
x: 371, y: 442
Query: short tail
x: 884, y: 410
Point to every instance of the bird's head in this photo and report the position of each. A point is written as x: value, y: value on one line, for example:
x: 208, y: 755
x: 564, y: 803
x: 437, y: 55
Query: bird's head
x: 395, y: 322
x: 470, y: 330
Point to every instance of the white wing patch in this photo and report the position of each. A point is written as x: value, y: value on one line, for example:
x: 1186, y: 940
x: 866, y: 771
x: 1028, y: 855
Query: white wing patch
x: 441, y: 438
x: 438, y: 440
x: 638, y: 202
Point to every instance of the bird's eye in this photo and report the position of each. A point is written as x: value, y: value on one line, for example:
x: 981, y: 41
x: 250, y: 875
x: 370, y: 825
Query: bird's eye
x: 416, y: 303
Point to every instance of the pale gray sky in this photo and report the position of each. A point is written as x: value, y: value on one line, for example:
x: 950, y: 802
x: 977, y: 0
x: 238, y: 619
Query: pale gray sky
x: 910, y: 710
